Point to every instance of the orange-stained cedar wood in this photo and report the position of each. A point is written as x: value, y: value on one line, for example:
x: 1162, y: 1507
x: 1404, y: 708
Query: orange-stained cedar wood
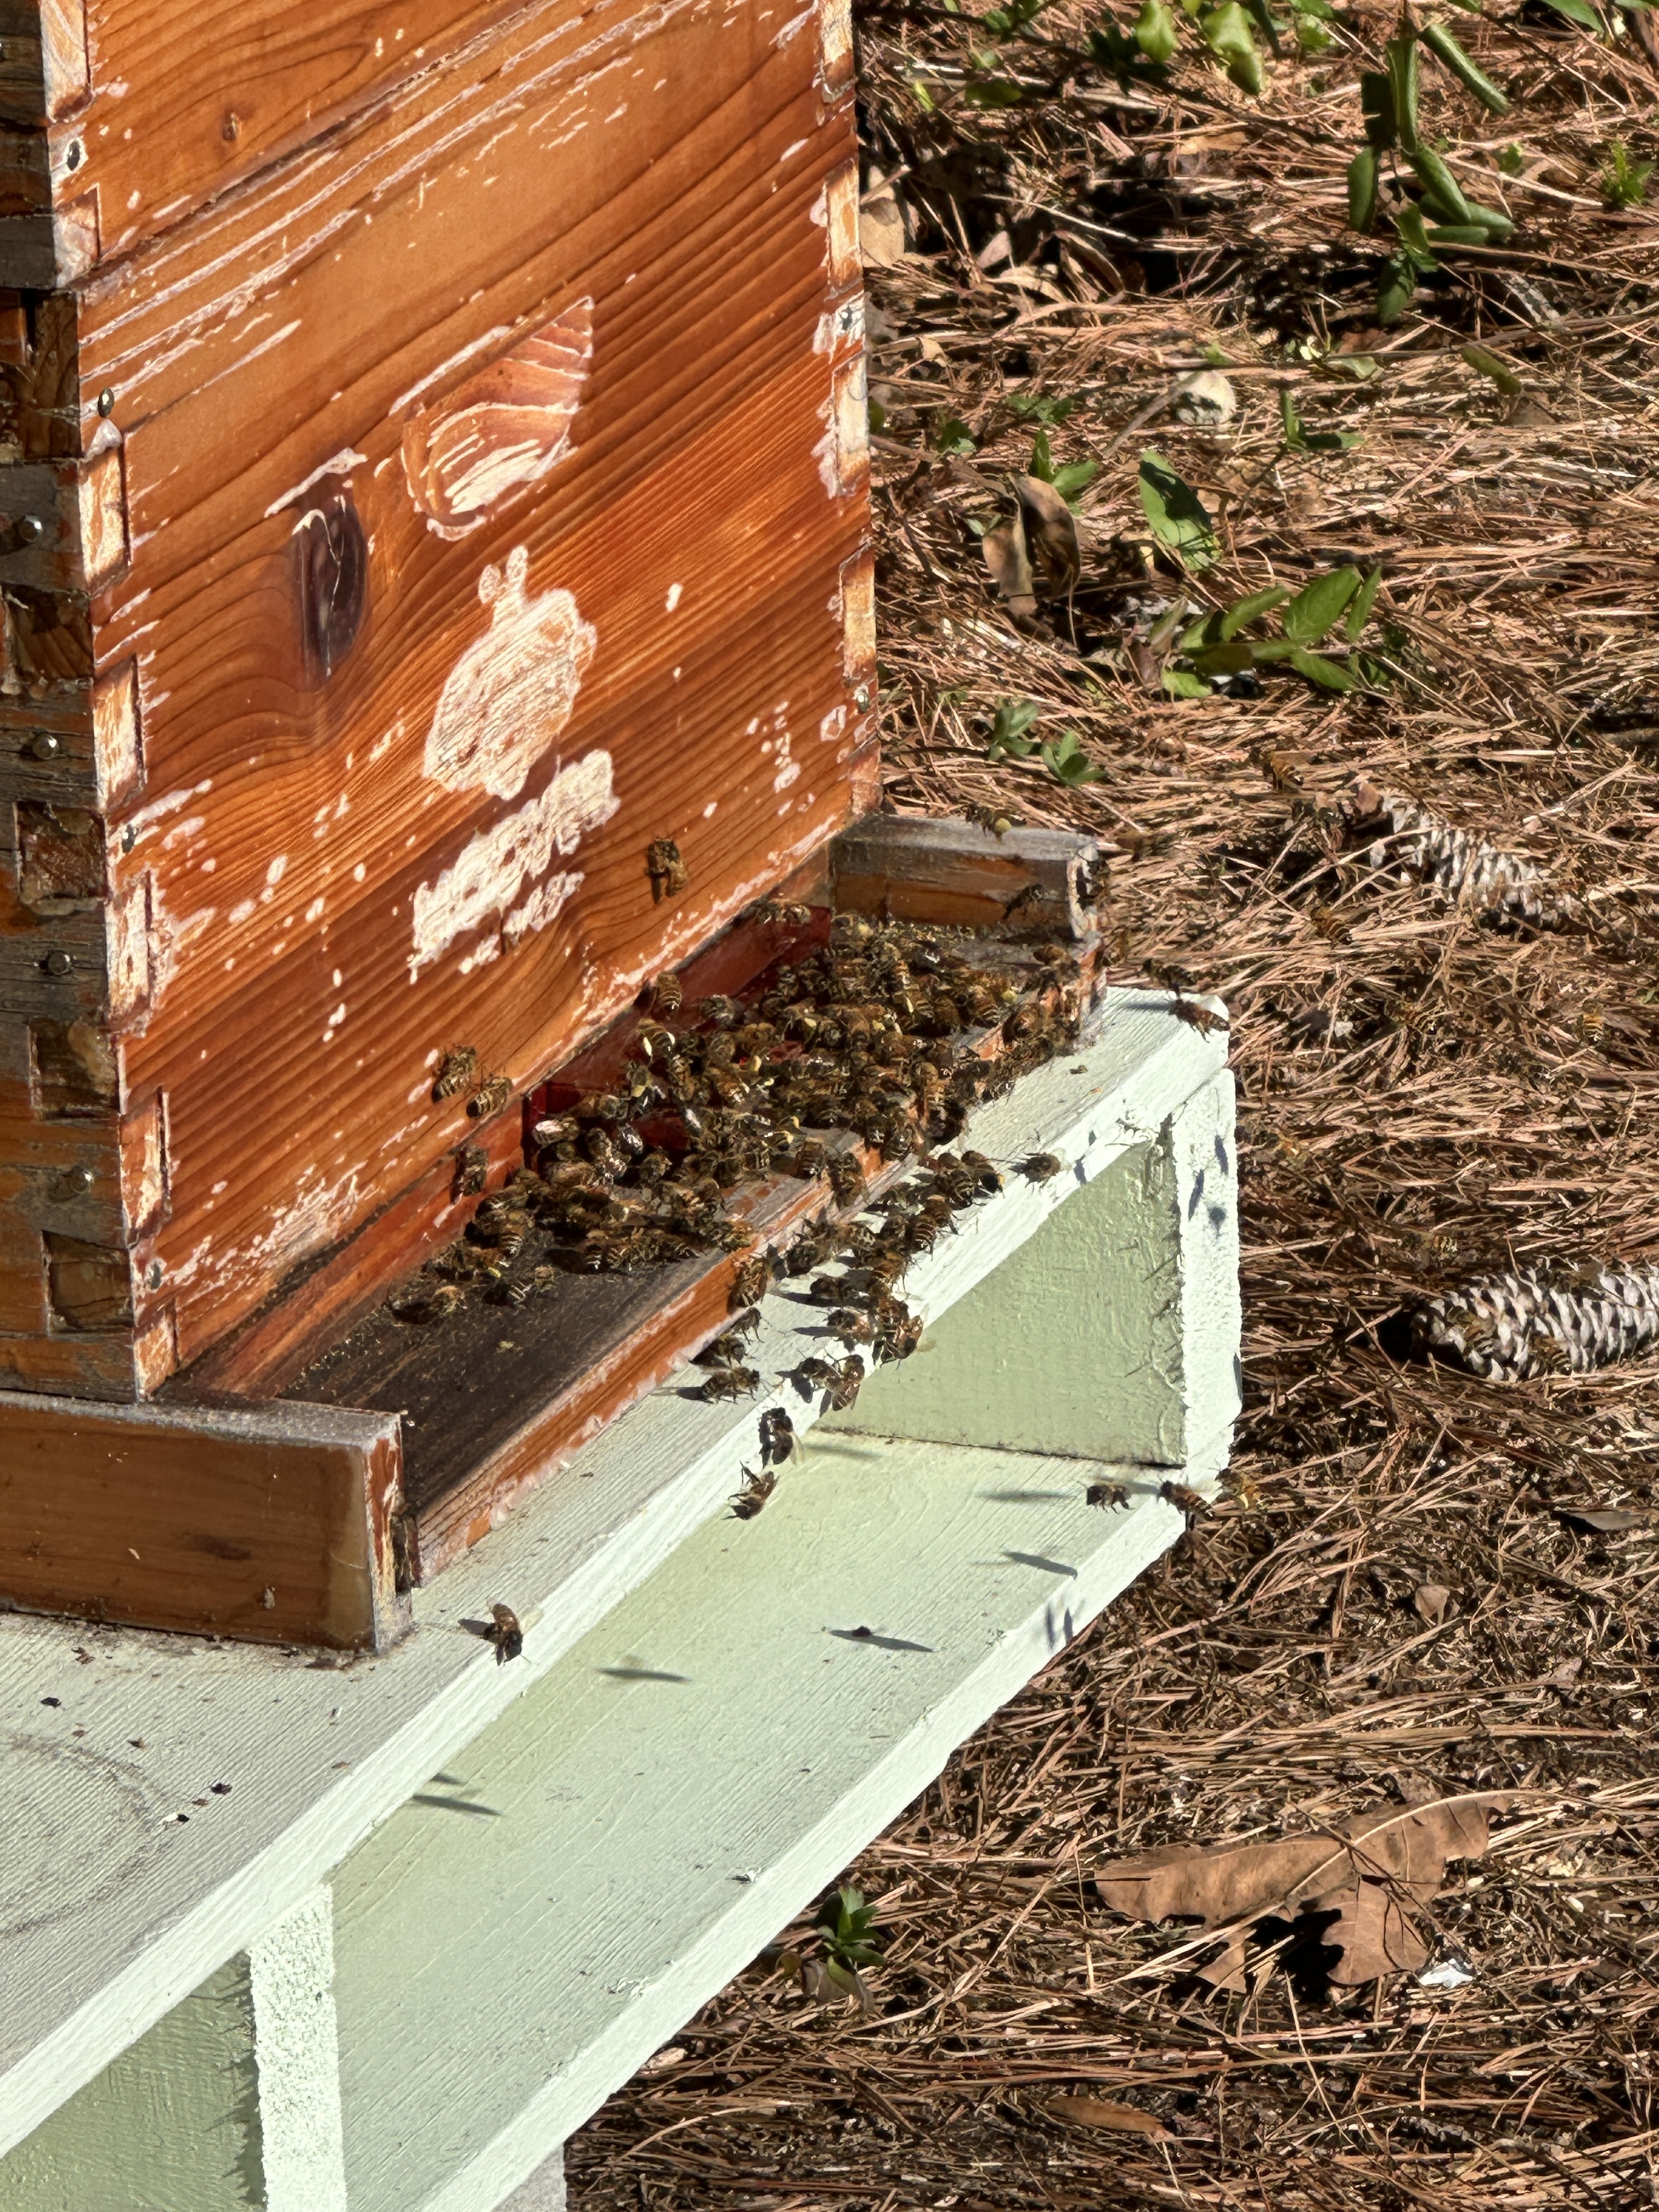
x: 270, y: 1523
x: 425, y: 527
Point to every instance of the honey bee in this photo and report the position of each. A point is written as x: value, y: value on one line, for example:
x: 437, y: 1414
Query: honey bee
x: 747, y: 1323
x: 757, y: 1489
x: 459, y: 1066
x: 1191, y: 1502
x: 603, y: 1153
x: 994, y: 819
x: 730, y: 1383
x: 811, y: 1161
x: 845, y: 1178
x: 1027, y: 896
x: 491, y: 1095
x: 898, y: 1333
x: 724, y: 1013
x: 778, y: 1440
x: 826, y: 1289
x: 846, y: 1381
x: 810, y: 1374
x: 989, y: 1180
x: 725, y: 1351
x: 553, y: 1129
x: 667, y: 871
x: 1170, y: 977
x: 502, y: 1630
x: 1202, y: 1018
x: 1040, y: 1167
x: 500, y: 1292
x: 774, y: 910
x: 850, y: 1326
x: 598, y: 1106
x: 472, y: 1169
x: 887, y: 1267
x: 1106, y: 1493
x: 749, y: 1283
x: 666, y: 995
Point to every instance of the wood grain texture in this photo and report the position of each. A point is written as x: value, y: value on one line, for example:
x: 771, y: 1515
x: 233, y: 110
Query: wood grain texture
x: 271, y: 1525
x: 915, y: 868
x: 383, y: 623
x: 125, y: 111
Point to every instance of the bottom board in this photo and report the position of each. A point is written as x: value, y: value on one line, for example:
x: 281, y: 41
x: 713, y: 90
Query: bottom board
x: 517, y: 1940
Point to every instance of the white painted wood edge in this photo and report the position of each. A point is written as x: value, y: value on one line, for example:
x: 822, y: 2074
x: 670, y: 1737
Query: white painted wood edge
x: 590, y: 1535
x: 645, y: 2018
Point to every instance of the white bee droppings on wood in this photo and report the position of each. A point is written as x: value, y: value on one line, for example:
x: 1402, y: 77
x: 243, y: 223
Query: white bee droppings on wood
x: 513, y: 690
x: 505, y: 428
x: 500, y: 863
x: 676, y: 593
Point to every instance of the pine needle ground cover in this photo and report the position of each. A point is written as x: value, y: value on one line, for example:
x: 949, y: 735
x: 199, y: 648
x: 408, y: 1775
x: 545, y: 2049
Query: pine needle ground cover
x: 1185, y: 353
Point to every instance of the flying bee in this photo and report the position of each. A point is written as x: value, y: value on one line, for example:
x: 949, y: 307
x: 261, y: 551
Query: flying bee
x: 472, y: 1172
x: 778, y: 1440
x: 757, y: 1489
x: 436, y: 1304
x: 456, y: 1070
x: 666, y: 995
x: 994, y: 819
x: 502, y: 1630
x: 1170, y: 977
x: 667, y: 871
x: 1106, y: 1493
x: 1202, y: 1018
x: 1190, y: 1501
x: 598, y: 1106
x: 850, y: 1326
x: 730, y: 1383
x: 491, y: 1095
x: 845, y: 1178
x: 1040, y: 1167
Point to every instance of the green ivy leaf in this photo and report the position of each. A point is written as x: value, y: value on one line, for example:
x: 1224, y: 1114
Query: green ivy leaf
x: 1177, y: 516
x: 1359, y: 609
x: 1249, y: 610
x: 994, y: 92
x: 1226, y: 31
x: 1155, y: 32
x: 1067, y: 761
x: 1073, y: 478
x: 1180, y: 685
x: 1326, y: 674
x: 1014, y: 717
x: 1397, y: 289
x: 1319, y: 606
x: 1579, y: 12
x: 953, y: 436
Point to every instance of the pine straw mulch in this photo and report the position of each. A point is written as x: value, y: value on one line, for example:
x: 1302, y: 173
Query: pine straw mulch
x: 1462, y: 1097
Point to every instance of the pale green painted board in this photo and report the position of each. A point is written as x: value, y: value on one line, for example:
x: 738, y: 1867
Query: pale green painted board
x: 172, y: 2125
x: 515, y: 1942
x: 1112, y: 1333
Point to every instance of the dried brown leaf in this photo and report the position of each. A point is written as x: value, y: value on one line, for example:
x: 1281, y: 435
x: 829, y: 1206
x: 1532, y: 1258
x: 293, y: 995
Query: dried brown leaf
x: 1097, y: 2113
x: 1051, y: 533
x: 1431, y: 1601
x: 1004, y: 548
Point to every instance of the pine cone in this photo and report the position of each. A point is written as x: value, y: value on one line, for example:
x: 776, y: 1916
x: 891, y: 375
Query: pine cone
x: 1510, y: 1328
x: 1464, y: 867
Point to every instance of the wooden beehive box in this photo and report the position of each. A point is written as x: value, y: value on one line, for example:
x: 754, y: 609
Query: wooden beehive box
x: 432, y: 473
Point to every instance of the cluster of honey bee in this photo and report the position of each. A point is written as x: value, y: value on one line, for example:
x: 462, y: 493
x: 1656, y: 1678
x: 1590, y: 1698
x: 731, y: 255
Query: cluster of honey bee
x: 888, y: 1032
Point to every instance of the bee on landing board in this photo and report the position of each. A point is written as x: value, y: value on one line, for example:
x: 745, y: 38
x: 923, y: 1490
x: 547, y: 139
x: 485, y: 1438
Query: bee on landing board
x: 459, y: 1066
x: 1040, y: 1167
x: 502, y: 1630
x: 666, y: 995
x: 778, y: 1439
x: 757, y: 1489
x: 667, y: 871
x: 730, y: 1383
